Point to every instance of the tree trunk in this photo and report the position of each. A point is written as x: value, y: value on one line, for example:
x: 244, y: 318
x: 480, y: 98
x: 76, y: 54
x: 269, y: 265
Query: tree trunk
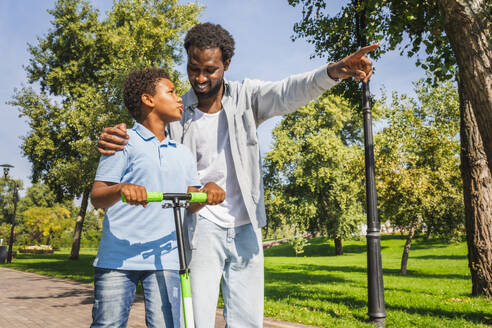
x: 74, y: 254
x: 406, y: 249
x: 477, y: 191
x: 428, y: 235
x: 338, y: 246
x: 468, y: 26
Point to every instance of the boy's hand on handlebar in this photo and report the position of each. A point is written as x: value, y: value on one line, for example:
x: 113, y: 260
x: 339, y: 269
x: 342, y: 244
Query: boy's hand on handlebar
x: 112, y: 139
x: 216, y: 194
x: 134, y: 194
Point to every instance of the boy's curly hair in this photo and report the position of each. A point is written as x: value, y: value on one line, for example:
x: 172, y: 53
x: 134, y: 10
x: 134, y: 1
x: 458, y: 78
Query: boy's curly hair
x: 208, y: 35
x: 139, y: 82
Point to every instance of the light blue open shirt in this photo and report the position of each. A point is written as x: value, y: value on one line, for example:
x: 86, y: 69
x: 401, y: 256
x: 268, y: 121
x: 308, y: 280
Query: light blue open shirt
x: 134, y: 237
x: 247, y: 104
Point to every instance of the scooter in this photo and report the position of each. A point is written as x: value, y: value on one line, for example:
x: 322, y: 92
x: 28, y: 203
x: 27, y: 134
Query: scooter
x: 180, y: 200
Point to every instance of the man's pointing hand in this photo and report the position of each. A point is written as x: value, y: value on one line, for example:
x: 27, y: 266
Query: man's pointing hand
x: 355, y: 65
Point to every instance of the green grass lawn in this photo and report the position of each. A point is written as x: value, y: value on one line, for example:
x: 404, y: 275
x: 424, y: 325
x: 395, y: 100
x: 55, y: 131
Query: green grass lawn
x: 57, y: 264
x: 331, y: 291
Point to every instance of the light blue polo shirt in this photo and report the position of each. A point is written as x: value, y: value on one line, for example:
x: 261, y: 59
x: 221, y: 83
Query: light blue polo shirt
x: 134, y: 237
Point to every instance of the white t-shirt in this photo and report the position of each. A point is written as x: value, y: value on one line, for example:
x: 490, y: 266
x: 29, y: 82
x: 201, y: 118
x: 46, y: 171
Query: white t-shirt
x: 214, y: 161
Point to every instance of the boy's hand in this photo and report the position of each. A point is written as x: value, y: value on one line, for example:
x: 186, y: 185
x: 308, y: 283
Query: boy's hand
x: 134, y: 194
x: 112, y: 139
x: 216, y: 194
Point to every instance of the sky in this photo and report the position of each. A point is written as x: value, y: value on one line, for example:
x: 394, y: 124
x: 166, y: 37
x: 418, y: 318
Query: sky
x: 262, y: 32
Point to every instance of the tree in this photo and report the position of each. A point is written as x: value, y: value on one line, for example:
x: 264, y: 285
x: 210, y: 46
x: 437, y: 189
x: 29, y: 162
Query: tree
x: 7, y: 197
x: 81, y: 63
x: 37, y: 195
x: 7, y: 207
x: 455, y: 36
x: 40, y: 197
x: 311, y: 180
x: 47, y: 224
x: 467, y: 25
x: 93, y: 228
x: 298, y: 243
x: 418, y: 164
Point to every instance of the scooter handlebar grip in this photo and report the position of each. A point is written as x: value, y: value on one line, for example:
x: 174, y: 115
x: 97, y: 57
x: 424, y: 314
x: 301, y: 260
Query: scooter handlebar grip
x: 198, y: 197
x: 155, y: 196
x: 152, y: 196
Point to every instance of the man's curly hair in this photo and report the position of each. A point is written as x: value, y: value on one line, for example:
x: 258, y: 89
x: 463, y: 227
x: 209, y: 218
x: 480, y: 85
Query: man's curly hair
x: 139, y: 82
x: 208, y: 35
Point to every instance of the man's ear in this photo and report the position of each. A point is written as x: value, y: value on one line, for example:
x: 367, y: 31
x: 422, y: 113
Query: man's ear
x: 147, y: 100
x: 226, y: 64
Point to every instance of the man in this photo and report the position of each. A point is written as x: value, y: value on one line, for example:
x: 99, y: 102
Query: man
x: 219, y: 125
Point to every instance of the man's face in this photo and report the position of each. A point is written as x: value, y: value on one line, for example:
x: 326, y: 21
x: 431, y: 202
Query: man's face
x: 206, y: 71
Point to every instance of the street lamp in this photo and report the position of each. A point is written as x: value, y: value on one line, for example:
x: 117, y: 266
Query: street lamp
x: 375, y: 289
x: 6, y: 168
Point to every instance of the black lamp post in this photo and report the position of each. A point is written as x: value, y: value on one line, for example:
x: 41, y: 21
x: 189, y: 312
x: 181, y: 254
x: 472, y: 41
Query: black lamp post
x: 376, y: 305
x: 6, y: 168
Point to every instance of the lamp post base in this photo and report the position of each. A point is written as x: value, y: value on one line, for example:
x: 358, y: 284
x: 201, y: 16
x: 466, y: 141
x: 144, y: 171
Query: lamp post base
x: 378, y: 322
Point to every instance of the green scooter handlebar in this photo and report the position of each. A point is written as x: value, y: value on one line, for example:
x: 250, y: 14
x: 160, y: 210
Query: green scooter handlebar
x: 156, y: 196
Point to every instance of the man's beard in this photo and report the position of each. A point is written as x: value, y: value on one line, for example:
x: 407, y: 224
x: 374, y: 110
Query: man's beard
x: 212, y: 93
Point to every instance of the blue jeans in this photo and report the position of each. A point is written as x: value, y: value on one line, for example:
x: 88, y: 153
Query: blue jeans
x: 114, y: 291
x: 233, y: 259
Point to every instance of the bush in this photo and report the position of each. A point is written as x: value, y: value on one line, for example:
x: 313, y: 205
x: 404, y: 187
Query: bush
x: 37, y: 249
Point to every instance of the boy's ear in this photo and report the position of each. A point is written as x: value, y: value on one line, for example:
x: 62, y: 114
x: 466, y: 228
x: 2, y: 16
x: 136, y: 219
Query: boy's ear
x: 147, y: 100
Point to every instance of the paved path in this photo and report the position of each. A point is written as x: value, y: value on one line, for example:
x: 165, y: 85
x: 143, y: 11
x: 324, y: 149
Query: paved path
x: 29, y: 300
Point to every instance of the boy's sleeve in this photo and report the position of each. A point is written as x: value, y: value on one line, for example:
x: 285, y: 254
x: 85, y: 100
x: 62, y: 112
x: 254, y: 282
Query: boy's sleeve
x: 112, y: 168
x: 192, y: 176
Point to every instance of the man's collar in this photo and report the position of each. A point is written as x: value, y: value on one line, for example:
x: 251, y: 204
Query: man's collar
x: 146, y: 135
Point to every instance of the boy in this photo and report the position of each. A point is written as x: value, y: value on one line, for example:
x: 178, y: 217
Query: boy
x: 138, y: 244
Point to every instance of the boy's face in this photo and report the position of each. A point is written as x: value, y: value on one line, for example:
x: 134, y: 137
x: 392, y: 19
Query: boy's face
x: 166, y: 103
x: 206, y: 71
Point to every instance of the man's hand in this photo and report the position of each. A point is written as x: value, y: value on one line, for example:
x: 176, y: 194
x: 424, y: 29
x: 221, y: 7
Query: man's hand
x: 355, y: 65
x: 112, y: 139
x: 216, y: 194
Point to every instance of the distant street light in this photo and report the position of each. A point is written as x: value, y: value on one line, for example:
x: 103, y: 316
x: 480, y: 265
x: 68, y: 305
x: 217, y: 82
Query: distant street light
x: 6, y: 168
